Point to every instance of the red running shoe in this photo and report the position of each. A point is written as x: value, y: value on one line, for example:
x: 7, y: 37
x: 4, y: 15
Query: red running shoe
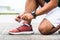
x: 24, y: 29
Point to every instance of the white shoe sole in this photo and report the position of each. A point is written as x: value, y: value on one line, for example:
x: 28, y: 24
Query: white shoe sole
x: 28, y: 32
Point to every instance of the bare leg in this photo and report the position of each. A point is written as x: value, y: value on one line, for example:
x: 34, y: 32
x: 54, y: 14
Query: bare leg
x: 32, y: 5
x: 47, y: 28
x: 29, y: 7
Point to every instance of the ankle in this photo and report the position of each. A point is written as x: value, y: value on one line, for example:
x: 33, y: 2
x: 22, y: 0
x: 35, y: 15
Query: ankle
x: 27, y: 22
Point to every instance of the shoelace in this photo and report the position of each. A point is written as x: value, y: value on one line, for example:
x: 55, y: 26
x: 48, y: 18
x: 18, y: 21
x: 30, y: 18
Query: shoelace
x: 25, y: 25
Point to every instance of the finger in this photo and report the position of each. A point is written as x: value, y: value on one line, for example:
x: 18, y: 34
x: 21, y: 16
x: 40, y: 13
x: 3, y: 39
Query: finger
x: 25, y: 18
x: 17, y: 19
x: 21, y: 15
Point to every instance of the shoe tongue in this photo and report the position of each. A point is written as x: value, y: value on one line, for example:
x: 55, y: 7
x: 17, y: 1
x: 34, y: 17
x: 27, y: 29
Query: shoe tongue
x: 26, y: 24
x: 23, y: 23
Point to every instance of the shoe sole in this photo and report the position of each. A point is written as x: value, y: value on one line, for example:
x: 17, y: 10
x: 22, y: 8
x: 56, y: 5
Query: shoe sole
x: 30, y: 32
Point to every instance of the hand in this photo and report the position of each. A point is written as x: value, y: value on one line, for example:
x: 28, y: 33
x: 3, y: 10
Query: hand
x: 27, y: 16
x: 18, y: 18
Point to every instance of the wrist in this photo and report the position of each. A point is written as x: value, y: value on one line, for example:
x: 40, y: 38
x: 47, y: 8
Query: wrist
x: 34, y: 14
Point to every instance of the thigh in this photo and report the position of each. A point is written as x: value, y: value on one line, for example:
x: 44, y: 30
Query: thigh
x: 45, y: 26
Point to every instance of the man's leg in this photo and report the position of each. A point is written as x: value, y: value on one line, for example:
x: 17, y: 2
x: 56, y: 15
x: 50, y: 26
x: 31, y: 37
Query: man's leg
x: 30, y: 6
x: 26, y: 28
x: 47, y: 28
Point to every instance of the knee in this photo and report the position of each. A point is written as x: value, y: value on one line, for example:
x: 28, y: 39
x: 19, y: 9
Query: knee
x: 43, y: 31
